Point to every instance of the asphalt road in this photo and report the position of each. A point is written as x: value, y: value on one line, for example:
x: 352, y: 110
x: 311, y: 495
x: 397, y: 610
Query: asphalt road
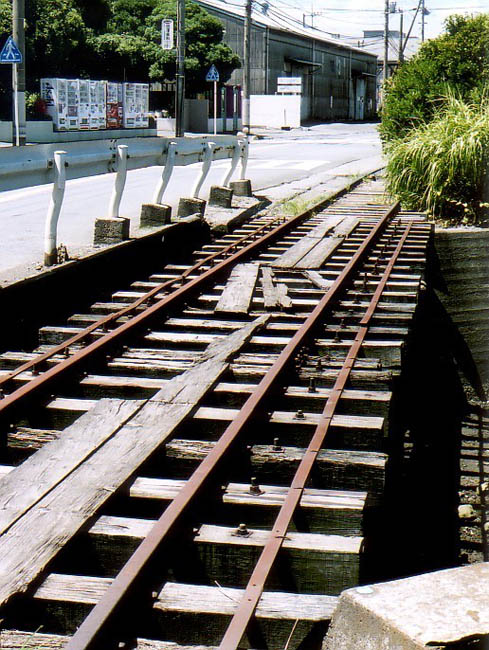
x: 274, y: 160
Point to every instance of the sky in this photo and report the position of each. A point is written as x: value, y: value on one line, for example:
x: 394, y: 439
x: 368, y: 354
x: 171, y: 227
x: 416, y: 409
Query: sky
x: 351, y: 17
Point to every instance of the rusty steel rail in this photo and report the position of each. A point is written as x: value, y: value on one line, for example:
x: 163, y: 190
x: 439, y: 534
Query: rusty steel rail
x: 44, y: 380
x: 92, y: 629
x: 106, y: 320
x: 256, y: 584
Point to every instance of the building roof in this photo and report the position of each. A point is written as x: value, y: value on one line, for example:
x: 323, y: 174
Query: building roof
x: 267, y: 17
x: 375, y: 44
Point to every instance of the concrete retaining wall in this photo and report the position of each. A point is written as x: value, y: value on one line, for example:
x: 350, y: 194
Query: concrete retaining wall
x: 50, y: 297
x: 463, y: 288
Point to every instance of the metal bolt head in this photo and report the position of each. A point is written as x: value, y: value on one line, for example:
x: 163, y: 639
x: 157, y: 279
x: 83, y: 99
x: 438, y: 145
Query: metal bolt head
x: 300, y: 415
x: 276, y: 445
x: 242, y: 531
x: 312, y: 385
x: 254, y: 487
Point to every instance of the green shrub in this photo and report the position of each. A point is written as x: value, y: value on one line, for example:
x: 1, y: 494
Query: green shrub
x: 458, y: 60
x: 442, y: 167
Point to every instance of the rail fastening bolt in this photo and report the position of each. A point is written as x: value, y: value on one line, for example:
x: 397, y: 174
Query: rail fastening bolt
x: 312, y: 385
x: 254, y: 487
x: 242, y: 531
x: 276, y: 445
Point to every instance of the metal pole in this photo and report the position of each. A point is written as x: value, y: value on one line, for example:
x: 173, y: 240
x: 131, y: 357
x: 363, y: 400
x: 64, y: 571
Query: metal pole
x: 15, y: 86
x: 18, y: 32
x: 422, y: 20
x: 180, y: 76
x: 401, y: 51
x: 411, y: 27
x: 386, y: 45
x: 246, y: 69
x: 215, y: 107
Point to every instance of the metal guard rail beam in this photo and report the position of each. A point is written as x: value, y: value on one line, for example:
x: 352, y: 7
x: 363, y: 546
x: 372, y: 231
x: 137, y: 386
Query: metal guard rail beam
x: 34, y: 165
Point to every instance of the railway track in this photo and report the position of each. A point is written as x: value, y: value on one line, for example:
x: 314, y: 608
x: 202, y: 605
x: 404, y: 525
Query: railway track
x: 199, y: 460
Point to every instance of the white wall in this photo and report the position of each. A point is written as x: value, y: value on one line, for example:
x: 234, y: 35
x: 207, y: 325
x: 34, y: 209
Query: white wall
x: 275, y: 110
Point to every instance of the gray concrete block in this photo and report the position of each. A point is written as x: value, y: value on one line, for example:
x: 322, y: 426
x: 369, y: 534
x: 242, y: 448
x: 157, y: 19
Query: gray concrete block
x: 433, y: 610
x: 189, y: 206
x: 220, y: 196
x: 154, y: 214
x: 241, y: 188
x: 111, y: 230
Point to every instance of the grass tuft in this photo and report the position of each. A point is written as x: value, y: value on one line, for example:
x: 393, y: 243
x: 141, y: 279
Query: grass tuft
x: 442, y: 167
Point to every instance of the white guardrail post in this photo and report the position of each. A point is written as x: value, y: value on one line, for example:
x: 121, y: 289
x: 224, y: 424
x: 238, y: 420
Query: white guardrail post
x: 120, y: 181
x: 245, y: 146
x: 167, y: 172
x: 51, y: 227
x: 234, y: 163
x: 208, y: 151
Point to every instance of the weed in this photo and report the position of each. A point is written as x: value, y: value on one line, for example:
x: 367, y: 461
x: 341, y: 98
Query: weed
x: 442, y: 167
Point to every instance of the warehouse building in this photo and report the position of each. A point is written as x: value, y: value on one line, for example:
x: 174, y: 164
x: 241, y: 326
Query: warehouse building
x: 338, y: 81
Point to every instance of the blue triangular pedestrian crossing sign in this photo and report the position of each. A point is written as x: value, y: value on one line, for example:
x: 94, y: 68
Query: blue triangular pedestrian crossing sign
x: 213, y: 74
x: 10, y: 52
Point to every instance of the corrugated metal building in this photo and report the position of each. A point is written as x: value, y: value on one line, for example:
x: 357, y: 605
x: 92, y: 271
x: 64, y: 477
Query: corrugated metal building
x: 338, y: 81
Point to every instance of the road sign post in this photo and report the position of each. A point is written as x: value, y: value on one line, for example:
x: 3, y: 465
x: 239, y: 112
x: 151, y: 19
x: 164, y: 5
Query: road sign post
x: 213, y: 75
x: 11, y: 54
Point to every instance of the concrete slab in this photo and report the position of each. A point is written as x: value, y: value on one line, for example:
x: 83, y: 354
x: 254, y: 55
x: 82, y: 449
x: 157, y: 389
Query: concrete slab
x: 223, y: 220
x: 432, y: 610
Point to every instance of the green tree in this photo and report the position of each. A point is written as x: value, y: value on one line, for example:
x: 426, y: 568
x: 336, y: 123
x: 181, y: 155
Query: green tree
x: 455, y: 62
x: 203, y: 36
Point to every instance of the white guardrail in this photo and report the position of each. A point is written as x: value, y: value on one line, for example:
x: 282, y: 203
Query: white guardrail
x: 50, y: 163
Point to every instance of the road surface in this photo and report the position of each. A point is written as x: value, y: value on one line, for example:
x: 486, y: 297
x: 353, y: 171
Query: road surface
x: 273, y: 161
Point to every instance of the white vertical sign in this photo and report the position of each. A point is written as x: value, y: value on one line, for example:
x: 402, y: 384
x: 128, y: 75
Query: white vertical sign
x: 167, y: 34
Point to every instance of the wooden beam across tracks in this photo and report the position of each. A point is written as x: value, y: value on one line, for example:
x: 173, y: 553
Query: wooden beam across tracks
x: 252, y: 385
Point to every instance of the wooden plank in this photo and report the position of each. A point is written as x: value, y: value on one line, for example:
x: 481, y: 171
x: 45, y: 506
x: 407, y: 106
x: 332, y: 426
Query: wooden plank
x: 58, y: 514
x: 238, y: 292
x: 317, y: 279
x: 17, y: 640
x: 314, y: 563
x: 276, y: 614
x: 337, y: 512
x: 298, y: 250
x: 335, y: 470
x: 38, y: 475
x: 311, y: 562
x: 325, y: 248
x: 68, y: 599
x: 274, y: 294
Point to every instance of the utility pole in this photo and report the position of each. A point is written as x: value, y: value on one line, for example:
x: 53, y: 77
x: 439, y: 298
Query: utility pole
x: 180, y: 73
x: 411, y: 27
x: 401, y: 27
x: 422, y: 20
x: 246, y: 69
x: 386, y: 45
x: 18, y: 69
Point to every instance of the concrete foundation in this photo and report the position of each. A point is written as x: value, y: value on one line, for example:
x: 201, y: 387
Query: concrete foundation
x: 241, y: 187
x: 220, y: 196
x: 461, y: 282
x: 189, y: 206
x: 154, y: 214
x: 434, y: 610
x: 111, y: 230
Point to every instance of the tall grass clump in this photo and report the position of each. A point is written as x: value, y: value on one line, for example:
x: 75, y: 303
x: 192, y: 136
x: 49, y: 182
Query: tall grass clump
x: 442, y: 167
